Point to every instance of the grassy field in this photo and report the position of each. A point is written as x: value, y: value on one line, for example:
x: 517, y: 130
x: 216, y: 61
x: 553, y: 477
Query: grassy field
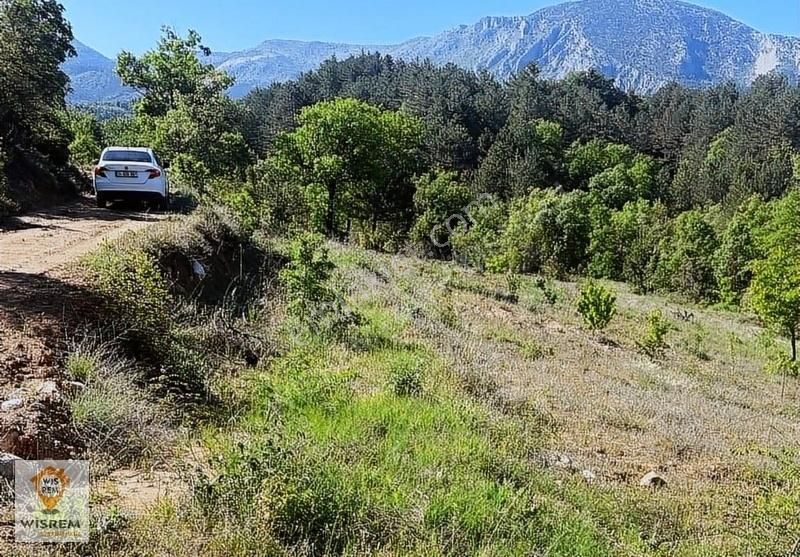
x: 472, y: 415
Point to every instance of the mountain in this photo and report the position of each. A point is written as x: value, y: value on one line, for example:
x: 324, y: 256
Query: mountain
x: 643, y: 44
x: 93, y: 78
x: 280, y: 60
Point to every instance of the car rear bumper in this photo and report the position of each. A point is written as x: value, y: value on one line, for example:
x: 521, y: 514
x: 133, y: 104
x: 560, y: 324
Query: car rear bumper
x: 128, y: 191
x: 130, y: 195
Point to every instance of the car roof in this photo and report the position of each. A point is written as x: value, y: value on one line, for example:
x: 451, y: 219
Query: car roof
x: 141, y: 149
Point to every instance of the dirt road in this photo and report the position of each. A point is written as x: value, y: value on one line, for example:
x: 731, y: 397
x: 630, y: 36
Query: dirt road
x: 42, y: 242
x: 39, y: 306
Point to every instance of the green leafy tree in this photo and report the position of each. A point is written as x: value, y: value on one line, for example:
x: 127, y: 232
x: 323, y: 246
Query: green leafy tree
x: 738, y: 248
x: 441, y: 202
x: 686, y: 264
x: 476, y: 242
x: 775, y: 292
x: 625, y: 244
x: 85, y: 148
x: 171, y: 71
x: 361, y: 157
x: 35, y: 40
x: 524, y: 156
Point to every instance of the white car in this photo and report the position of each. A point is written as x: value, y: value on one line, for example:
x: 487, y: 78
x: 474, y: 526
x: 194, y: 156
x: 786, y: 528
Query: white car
x: 131, y: 173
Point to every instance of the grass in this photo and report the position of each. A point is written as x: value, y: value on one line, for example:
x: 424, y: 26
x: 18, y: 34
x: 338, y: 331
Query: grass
x: 120, y: 421
x: 441, y: 425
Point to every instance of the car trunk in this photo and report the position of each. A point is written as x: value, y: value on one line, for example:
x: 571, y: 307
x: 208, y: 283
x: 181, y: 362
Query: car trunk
x: 128, y: 172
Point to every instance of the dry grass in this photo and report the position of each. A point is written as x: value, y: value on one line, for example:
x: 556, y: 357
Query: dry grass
x: 706, y: 415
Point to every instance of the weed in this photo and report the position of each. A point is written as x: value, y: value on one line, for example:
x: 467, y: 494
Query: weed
x: 696, y: 343
x: 113, y: 415
x: 82, y: 366
x: 513, y: 282
x: 549, y: 290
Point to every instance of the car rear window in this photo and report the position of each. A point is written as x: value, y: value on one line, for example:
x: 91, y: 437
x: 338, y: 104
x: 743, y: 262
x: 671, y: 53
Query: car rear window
x: 127, y: 156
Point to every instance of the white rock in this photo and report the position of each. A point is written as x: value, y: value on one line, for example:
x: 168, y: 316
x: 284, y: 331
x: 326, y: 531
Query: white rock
x: 48, y: 388
x: 654, y: 480
x: 198, y: 269
x: 11, y: 404
x: 589, y: 476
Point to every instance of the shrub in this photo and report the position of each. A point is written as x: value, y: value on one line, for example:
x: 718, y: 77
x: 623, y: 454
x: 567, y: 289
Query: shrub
x: 129, y: 281
x: 406, y: 377
x: 597, y: 305
x: 653, y: 343
x: 312, y: 300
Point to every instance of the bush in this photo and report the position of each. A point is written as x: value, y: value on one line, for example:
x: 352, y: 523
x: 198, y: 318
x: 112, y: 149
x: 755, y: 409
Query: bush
x: 597, y: 305
x: 653, y: 343
x: 129, y: 281
x: 312, y: 300
x: 406, y: 377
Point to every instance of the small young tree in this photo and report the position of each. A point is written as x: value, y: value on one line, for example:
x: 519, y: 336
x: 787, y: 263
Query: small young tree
x: 597, y: 305
x: 313, y: 301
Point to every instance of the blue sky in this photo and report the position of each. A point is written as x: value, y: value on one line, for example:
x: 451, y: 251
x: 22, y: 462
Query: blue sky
x: 111, y: 25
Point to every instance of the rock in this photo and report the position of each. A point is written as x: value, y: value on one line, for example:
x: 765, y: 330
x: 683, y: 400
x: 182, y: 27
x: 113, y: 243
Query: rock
x: 48, y: 388
x: 11, y: 404
x: 589, y: 476
x: 564, y: 461
x: 653, y: 480
x: 7, y: 466
x: 198, y: 269
x: 74, y: 387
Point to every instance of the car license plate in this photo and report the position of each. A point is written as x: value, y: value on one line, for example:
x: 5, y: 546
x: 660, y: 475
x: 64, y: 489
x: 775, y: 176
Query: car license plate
x: 126, y: 174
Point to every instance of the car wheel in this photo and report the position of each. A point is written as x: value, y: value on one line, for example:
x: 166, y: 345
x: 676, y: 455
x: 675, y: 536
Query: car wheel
x: 101, y: 201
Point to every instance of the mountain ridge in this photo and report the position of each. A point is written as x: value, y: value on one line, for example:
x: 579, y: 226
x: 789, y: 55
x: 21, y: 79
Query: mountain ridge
x: 642, y: 44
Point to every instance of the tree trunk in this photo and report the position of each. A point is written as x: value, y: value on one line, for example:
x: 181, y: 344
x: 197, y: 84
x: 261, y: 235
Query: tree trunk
x: 330, y: 217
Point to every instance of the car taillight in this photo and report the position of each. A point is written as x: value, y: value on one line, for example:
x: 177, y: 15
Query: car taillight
x: 100, y: 171
x: 155, y: 173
